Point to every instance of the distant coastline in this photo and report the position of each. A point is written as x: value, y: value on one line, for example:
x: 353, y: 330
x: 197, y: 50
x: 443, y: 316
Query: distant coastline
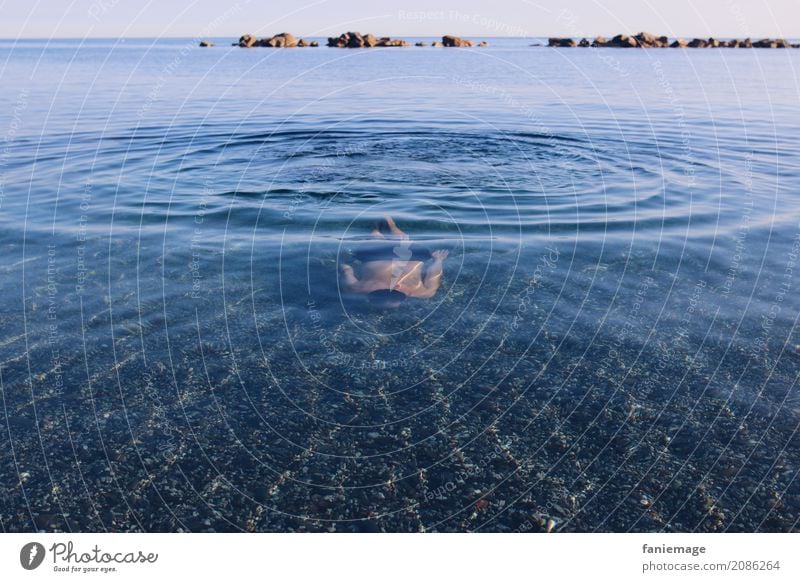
x: 640, y: 40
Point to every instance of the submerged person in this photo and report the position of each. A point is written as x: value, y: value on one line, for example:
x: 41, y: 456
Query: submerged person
x: 393, y: 268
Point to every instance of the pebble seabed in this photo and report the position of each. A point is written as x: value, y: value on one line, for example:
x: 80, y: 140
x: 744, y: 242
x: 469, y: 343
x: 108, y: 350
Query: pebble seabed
x: 261, y: 416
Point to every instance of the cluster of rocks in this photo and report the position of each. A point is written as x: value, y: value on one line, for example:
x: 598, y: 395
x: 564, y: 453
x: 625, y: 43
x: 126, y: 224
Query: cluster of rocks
x: 641, y: 40
x: 282, y: 40
x: 647, y: 40
x: 454, y: 41
x: 344, y: 40
x: 735, y: 43
x: 358, y: 40
x: 449, y: 40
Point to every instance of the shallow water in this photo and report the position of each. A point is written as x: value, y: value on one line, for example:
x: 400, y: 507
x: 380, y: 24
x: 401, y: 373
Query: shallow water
x: 613, y: 347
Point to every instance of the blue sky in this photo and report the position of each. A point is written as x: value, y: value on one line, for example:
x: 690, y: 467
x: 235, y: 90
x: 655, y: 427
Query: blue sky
x: 190, y: 18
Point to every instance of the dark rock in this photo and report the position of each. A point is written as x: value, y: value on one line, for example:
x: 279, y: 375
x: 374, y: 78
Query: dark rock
x: 285, y: 40
x: 302, y: 43
x: 600, y: 41
x: 421, y: 44
x: 698, y: 43
x: 355, y: 40
x: 313, y: 43
x: 782, y: 43
x: 712, y: 42
x: 455, y: 41
x: 483, y: 43
x: 646, y: 40
x: 337, y: 42
x: 392, y: 42
x: 623, y: 41
x: 584, y: 42
x: 747, y: 43
x: 765, y: 43
x: 561, y: 42
x: 282, y: 40
x: 680, y: 43
x: 206, y: 43
x: 247, y: 41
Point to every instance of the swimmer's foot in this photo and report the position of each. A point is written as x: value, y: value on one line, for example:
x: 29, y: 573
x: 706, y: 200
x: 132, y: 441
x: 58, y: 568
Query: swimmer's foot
x: 393, y: 228
x: 440, y: 255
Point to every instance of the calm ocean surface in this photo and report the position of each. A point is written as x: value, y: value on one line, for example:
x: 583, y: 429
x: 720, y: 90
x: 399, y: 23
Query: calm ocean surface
x: 613, y: 347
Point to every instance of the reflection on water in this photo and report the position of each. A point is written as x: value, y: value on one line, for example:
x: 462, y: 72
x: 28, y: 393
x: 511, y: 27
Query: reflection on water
x: 612, y: 348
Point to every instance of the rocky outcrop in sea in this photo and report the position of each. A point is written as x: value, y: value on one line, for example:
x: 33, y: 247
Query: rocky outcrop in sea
x: 282, y: 40
x: 640, y: 40
x: 648, y: 40
x: 450, y: 40
x: 358, y: 40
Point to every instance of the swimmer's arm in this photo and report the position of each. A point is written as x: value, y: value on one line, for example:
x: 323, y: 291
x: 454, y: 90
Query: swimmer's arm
x: 433, y: 275
x: 349, y: 278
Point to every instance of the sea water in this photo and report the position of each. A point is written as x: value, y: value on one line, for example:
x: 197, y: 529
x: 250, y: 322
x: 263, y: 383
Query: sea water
x: 613, y: 347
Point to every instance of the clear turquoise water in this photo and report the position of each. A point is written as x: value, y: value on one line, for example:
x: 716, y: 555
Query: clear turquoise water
x: 613, y: 347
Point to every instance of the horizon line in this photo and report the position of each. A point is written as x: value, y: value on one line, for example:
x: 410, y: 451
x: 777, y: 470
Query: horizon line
x: 191, y: 37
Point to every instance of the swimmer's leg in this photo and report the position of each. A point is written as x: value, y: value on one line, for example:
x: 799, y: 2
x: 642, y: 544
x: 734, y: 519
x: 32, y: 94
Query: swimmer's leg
x: 393, y: 228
